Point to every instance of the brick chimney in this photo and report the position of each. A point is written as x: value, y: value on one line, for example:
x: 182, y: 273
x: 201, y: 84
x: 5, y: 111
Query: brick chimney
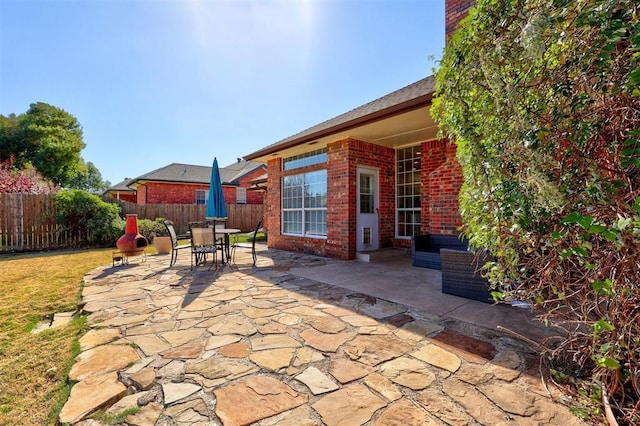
x: 455, y: 11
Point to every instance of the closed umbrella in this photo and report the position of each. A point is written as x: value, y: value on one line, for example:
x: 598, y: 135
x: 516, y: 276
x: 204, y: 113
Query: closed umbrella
x: 216, y: 209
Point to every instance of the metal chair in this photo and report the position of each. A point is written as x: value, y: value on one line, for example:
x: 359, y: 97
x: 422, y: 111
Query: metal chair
x: 175, y: 246
x: 253, y: 235
x: 203, y: 243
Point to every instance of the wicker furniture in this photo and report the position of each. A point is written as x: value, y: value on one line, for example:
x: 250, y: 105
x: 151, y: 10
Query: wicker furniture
x: 461, y: 275
x: 425, y: 249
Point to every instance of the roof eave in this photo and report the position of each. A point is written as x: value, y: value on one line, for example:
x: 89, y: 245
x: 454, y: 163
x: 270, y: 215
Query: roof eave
x: 406, y: 106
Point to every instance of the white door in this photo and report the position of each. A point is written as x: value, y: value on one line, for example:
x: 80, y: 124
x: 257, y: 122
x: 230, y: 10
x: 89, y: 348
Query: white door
x: 367, y: 210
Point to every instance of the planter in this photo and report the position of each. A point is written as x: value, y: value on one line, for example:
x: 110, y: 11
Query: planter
x: 162, y: 245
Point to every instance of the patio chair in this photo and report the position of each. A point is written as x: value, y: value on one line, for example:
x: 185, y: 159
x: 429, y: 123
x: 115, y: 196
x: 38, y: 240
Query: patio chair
x: 175, y: 246
x: 219, y: 238
x: 203, y: 243
x: 253, y: 235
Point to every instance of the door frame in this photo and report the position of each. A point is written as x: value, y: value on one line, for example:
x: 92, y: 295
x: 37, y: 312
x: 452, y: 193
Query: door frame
x: 368, y: 221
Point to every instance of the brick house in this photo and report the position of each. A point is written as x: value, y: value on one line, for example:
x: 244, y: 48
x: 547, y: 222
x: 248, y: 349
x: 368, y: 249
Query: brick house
x: 122, y: 191
x: 189, y: 184
x: 370, y: 178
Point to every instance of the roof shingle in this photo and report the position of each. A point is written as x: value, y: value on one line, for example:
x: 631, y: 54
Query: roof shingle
x: 420, y: 88
x: 189, y: 173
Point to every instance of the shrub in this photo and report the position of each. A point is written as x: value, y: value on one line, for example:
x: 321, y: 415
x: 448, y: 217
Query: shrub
x: 26, y: 180
x: 152, y: 228
x: 542, y: 99
x: 89, y: 219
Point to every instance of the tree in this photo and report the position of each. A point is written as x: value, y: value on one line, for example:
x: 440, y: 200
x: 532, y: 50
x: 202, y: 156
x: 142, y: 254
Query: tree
x: 542, y: 98
x: 88, y: 178
x: 46, y: 137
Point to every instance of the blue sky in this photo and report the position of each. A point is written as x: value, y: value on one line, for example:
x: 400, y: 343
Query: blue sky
x: 159, y: 81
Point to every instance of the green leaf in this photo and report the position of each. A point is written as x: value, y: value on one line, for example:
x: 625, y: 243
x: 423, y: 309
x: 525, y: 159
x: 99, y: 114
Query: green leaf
x: 571, y: 218
x: 634, y: 77
x: 596, y: 229
x: 604, y: 348
x: 604, y: 287
x: 607, y: 362
x: 497, y: 296
x: 610, y: 235
x: 580, y: 251
x: 578, y: 218
x: 603, y: 325
x: 585, y: 221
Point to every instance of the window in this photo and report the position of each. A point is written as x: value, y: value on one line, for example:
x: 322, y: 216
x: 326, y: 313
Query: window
x: 367, y: 196
x: 318, y: 156
x: 241, y: 195
x: 409, y: 168
x: 201, y: 196
x: 304, y: 204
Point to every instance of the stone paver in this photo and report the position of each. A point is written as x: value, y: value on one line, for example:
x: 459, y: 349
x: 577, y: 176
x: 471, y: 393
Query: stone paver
x: 254, y: 399
x: 351, y: 405
x: 260, y: 346
x: 102, y: 359
x: 317, y: 381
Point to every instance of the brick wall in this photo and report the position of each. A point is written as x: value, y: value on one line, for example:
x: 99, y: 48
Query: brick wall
x: 341, y: 229
x: 443, y: 187
x: 272, y: 208
x: 433, y: 156
x: 273, y: 213
x: 168, y: 193
x: 383, y: 159
x: 441, y: 181
x: 343, y: 158
x: 455, y: 11
x: 182, y: 193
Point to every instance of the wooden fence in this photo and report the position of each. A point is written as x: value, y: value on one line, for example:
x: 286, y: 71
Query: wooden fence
x: 241, y: 216
x: 28, y: 221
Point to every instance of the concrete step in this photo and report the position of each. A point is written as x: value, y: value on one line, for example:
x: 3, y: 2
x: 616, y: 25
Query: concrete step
x: 381, y: 254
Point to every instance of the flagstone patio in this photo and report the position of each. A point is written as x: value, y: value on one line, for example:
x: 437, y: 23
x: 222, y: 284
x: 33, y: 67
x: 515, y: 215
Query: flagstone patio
x: 300, y: 340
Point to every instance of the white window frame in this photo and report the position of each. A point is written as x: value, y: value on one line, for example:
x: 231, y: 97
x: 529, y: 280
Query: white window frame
x: 241, y: 195
x: 408, y: 190
x: 306, y: 213
x: 206, y: 196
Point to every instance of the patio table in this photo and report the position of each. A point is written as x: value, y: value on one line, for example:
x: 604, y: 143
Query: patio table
x: 227, y: 232
x: 206, y: 238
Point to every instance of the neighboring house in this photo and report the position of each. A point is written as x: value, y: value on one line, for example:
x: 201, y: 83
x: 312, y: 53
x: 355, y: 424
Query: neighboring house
x: 121, y: 191
x: 189, y: 184
x: 372, y: 177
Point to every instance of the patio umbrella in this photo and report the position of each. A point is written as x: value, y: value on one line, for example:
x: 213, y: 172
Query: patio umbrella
x: 216, y: 209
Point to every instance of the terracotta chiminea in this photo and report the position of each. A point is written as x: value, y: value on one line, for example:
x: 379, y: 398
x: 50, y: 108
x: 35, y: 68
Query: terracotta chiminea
x: 132, y: 243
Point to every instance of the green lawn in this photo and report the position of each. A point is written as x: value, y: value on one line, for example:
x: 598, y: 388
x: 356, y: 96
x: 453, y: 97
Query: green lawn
x: 34, y: 367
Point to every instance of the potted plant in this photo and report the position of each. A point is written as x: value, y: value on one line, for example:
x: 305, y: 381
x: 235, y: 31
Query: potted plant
x: 155, y: 231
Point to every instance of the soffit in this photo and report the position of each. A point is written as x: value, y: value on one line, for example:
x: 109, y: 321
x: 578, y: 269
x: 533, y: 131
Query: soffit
x: 408, y: 128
